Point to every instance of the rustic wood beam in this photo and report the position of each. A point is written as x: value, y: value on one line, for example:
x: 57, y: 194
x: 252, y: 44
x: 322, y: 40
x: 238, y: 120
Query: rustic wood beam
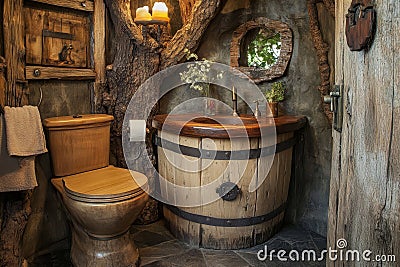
x: 189, y: 36
x: 59, y: 73
x: 99, y: 53
x: 14, y: 51
x: 74, y: 4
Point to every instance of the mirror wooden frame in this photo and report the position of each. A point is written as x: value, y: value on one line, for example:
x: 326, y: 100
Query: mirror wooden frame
x: 259, y: 75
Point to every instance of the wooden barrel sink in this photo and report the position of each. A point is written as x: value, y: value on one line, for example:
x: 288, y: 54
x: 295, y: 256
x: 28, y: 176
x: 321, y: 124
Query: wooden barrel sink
x: 238, y: 218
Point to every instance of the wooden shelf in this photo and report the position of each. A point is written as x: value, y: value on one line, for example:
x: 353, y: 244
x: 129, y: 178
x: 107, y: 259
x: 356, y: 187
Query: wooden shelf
x: 74, y: 4
x: 46, y: 73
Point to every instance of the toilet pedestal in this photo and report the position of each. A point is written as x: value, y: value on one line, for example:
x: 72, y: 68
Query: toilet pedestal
x: 102, y: 200
x: 89, y: 251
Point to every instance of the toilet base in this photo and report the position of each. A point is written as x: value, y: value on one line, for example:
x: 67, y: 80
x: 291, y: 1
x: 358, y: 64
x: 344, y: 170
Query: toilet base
x: 89, y: 251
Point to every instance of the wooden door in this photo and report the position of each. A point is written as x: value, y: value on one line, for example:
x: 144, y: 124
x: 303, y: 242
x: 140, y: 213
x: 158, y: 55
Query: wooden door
x: 365, y: 184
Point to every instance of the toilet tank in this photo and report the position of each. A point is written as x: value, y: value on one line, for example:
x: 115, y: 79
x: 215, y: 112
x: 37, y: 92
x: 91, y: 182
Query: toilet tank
x: 79, y: 143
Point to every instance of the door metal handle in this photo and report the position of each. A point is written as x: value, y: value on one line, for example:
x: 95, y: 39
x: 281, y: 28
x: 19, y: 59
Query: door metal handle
x: 336, y: 102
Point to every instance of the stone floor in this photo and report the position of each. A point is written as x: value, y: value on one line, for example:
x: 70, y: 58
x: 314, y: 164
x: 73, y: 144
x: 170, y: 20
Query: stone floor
x: 159, y: 248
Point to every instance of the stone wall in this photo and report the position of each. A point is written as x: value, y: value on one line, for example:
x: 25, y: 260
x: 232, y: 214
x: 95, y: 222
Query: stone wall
x: 309, y: 191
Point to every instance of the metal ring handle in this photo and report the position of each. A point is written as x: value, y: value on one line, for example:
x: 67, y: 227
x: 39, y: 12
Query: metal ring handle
x: 41, y: 97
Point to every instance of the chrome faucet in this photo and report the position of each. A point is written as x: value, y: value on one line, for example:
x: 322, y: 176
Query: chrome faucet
x: 234, y: 100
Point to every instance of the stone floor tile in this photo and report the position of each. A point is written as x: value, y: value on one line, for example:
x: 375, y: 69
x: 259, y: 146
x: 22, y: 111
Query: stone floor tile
x: 163, y: 250
x: 320, y: 242
x: 251, y: 258
x: 221, y: 258
x: 193, y: 257
x: 156, y: 227
x: 158, y: 247
x: 146, y: 238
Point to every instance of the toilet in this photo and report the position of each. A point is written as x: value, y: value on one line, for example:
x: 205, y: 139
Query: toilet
x: 102, y: 201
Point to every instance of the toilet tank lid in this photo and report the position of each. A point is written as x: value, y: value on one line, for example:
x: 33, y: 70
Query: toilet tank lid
x: 77, y: 120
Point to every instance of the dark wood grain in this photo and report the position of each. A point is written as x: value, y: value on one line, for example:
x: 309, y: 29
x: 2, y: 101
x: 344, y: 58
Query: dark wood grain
x: 228, y: 126
x: 360, y: 27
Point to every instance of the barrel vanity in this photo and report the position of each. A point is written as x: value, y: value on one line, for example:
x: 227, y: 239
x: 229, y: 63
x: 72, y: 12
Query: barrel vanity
x: 245, y: 151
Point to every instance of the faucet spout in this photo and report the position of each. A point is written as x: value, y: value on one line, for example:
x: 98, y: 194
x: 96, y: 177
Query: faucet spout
x: 234, y: 100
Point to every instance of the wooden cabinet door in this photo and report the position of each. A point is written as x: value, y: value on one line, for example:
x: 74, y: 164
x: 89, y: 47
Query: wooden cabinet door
x: 55, y: 38
x: 365, y: 184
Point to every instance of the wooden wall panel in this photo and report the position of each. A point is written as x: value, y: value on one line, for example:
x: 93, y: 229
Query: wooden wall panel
x: 365, y: 192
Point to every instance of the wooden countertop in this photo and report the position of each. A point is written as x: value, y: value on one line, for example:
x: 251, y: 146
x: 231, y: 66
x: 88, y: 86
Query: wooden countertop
x: 225, y: 126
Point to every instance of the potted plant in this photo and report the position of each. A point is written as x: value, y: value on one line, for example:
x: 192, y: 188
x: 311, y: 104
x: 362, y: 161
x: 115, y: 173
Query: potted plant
x: 275, y: 95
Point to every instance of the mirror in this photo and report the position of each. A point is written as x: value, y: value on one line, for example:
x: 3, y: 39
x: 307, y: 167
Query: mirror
x: 262, y: 49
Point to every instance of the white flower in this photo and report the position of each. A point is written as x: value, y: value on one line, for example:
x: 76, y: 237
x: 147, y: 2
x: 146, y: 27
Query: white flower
x: 197, y: 74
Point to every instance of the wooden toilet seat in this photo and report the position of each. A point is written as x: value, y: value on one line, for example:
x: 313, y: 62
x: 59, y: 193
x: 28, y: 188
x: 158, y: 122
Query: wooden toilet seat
x: 105, y: 185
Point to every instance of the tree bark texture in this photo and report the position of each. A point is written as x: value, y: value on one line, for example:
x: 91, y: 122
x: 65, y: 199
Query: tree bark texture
x: 330, y: 6
x: 138, y: 56
x: 364, y: 203
x: 322, y: 49
x: 15, y: 206
x: 186, y: 7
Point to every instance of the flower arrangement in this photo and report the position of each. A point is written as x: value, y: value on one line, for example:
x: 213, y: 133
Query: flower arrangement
x: 276, y: 93
x: 197, y: 73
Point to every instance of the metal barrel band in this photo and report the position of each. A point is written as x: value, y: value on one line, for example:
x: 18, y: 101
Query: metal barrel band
x: 224, y: 155
x: 236, y: 222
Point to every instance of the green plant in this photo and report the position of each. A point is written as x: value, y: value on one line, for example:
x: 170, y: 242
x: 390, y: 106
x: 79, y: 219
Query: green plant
x: 276, y: 93
x: 264, y: 50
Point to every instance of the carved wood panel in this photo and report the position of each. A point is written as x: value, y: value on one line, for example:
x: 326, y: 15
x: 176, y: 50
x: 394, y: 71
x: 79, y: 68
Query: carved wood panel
x: 56, y: 38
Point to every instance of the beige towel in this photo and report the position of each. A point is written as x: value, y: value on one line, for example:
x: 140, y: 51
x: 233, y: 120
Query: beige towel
x: 24, y: 131
x: 16, y: 173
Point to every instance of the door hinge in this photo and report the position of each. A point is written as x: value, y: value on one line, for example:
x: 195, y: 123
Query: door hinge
x: 336, y: 101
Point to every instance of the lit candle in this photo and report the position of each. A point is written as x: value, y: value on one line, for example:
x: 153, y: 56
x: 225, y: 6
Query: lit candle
x: 142, y: 14
x: 233, y: 93
x: 160, y: 11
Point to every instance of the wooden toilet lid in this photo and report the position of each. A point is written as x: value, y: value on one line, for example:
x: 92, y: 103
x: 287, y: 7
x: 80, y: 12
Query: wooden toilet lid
x: 109, y: 182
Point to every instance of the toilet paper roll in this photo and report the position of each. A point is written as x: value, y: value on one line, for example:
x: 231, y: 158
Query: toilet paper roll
x: 137, y: 130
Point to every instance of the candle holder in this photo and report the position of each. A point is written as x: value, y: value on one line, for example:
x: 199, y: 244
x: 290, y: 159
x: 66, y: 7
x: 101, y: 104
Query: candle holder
x: 158, y: 19
x: 157, y: 23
